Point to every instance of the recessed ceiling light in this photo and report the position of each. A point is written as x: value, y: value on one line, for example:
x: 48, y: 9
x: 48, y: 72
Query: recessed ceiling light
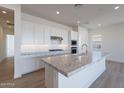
x: 57, y: 12
x: 78, y: 22
x: 99, y: 25
x: 4, y: 12
x: 117, y: 7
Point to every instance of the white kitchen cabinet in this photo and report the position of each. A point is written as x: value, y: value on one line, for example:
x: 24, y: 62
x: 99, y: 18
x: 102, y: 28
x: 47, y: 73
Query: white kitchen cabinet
x: 34, y: 33
x: 47, y: 34
x: 74, y: 35
x: 39, y: 34
x: 27, y: 32
x: 31, y: 64
x: 61, y: 33
x: 56, y: 32
x: 53, y: 32
x: 65, y: 37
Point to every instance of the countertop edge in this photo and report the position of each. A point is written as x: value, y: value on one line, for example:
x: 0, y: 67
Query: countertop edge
x: 74, y: 71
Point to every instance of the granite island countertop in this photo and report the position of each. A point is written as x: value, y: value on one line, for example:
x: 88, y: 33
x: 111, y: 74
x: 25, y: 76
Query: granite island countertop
x: 70, y: 64
x: 44, y: 53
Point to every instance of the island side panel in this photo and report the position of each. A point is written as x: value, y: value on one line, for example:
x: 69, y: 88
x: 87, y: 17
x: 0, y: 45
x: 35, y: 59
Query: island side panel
x: 83, y: 78
x: 51, y: 77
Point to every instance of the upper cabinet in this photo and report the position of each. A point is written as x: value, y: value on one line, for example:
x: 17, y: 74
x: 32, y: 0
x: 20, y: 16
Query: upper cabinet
x: 34, y: 33
x: 47, y: 34
x: 27, y: 32
x: 74, y: 35
x: 65, y: 37
x: 56, y: 32
x: 39, y: 34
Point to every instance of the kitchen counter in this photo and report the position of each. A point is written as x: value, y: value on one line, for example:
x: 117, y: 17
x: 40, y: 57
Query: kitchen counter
x: 70, y: 64
x: 44, y: 53
x: 73, y: 70
x: 32, y: 60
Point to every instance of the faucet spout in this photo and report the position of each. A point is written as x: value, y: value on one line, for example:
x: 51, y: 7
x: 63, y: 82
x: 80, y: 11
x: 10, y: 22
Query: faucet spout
x: 83, y: 46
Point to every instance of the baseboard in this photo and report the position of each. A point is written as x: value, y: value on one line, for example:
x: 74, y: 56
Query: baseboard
x: 33, y: 71
x: 114, y: 61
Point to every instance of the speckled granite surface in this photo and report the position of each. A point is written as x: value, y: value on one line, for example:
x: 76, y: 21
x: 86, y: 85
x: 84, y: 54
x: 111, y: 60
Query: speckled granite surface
x: 45, y: 54
x: 70, y: 64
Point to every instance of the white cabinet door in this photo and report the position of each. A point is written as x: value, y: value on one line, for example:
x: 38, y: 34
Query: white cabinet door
x: 74, y: 35
x: 56, y: 32
x: 53, y: 32
x: 59, y: 32
x: 39, y: 34
x: 65, y: 37
x: 27, y: 32
x: 47, y: 34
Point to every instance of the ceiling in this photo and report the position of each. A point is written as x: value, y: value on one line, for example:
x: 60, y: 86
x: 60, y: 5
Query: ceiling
x: 8, y: 16
x: 89, y: 15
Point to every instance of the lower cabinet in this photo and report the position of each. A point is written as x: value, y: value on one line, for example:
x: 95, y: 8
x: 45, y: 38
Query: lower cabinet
x: 31, y: 64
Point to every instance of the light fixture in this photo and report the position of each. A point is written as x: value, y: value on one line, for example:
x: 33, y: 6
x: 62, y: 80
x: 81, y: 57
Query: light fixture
x: 4, y: 12
x: 57, y: 12
x: 99, y: 25
x: 117, y: 7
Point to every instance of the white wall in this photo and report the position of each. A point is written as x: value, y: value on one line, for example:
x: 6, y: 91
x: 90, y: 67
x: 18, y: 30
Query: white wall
x: 112, y: 41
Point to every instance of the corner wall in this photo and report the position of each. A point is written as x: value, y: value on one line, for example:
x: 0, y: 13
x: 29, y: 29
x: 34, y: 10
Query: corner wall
x: 112, y: 41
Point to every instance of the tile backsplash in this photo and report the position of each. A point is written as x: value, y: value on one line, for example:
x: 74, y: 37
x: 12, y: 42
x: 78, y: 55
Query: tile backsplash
x: 42, y: 48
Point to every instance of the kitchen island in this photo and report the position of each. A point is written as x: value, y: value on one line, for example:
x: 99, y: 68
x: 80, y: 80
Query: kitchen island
x: 74, y: 71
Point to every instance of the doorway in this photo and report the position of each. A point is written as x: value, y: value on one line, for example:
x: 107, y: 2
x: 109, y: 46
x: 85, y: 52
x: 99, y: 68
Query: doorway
x: 6, y: 45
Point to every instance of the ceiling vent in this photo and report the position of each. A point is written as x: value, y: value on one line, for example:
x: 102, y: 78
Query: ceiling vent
x: 78, y: 5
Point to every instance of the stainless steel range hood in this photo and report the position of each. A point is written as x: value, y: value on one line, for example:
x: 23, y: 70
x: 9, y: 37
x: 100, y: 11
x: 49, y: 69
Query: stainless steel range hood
x: 56, y: 38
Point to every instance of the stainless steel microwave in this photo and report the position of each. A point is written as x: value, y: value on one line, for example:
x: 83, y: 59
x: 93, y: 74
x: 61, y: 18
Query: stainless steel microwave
x: 73, y: 42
